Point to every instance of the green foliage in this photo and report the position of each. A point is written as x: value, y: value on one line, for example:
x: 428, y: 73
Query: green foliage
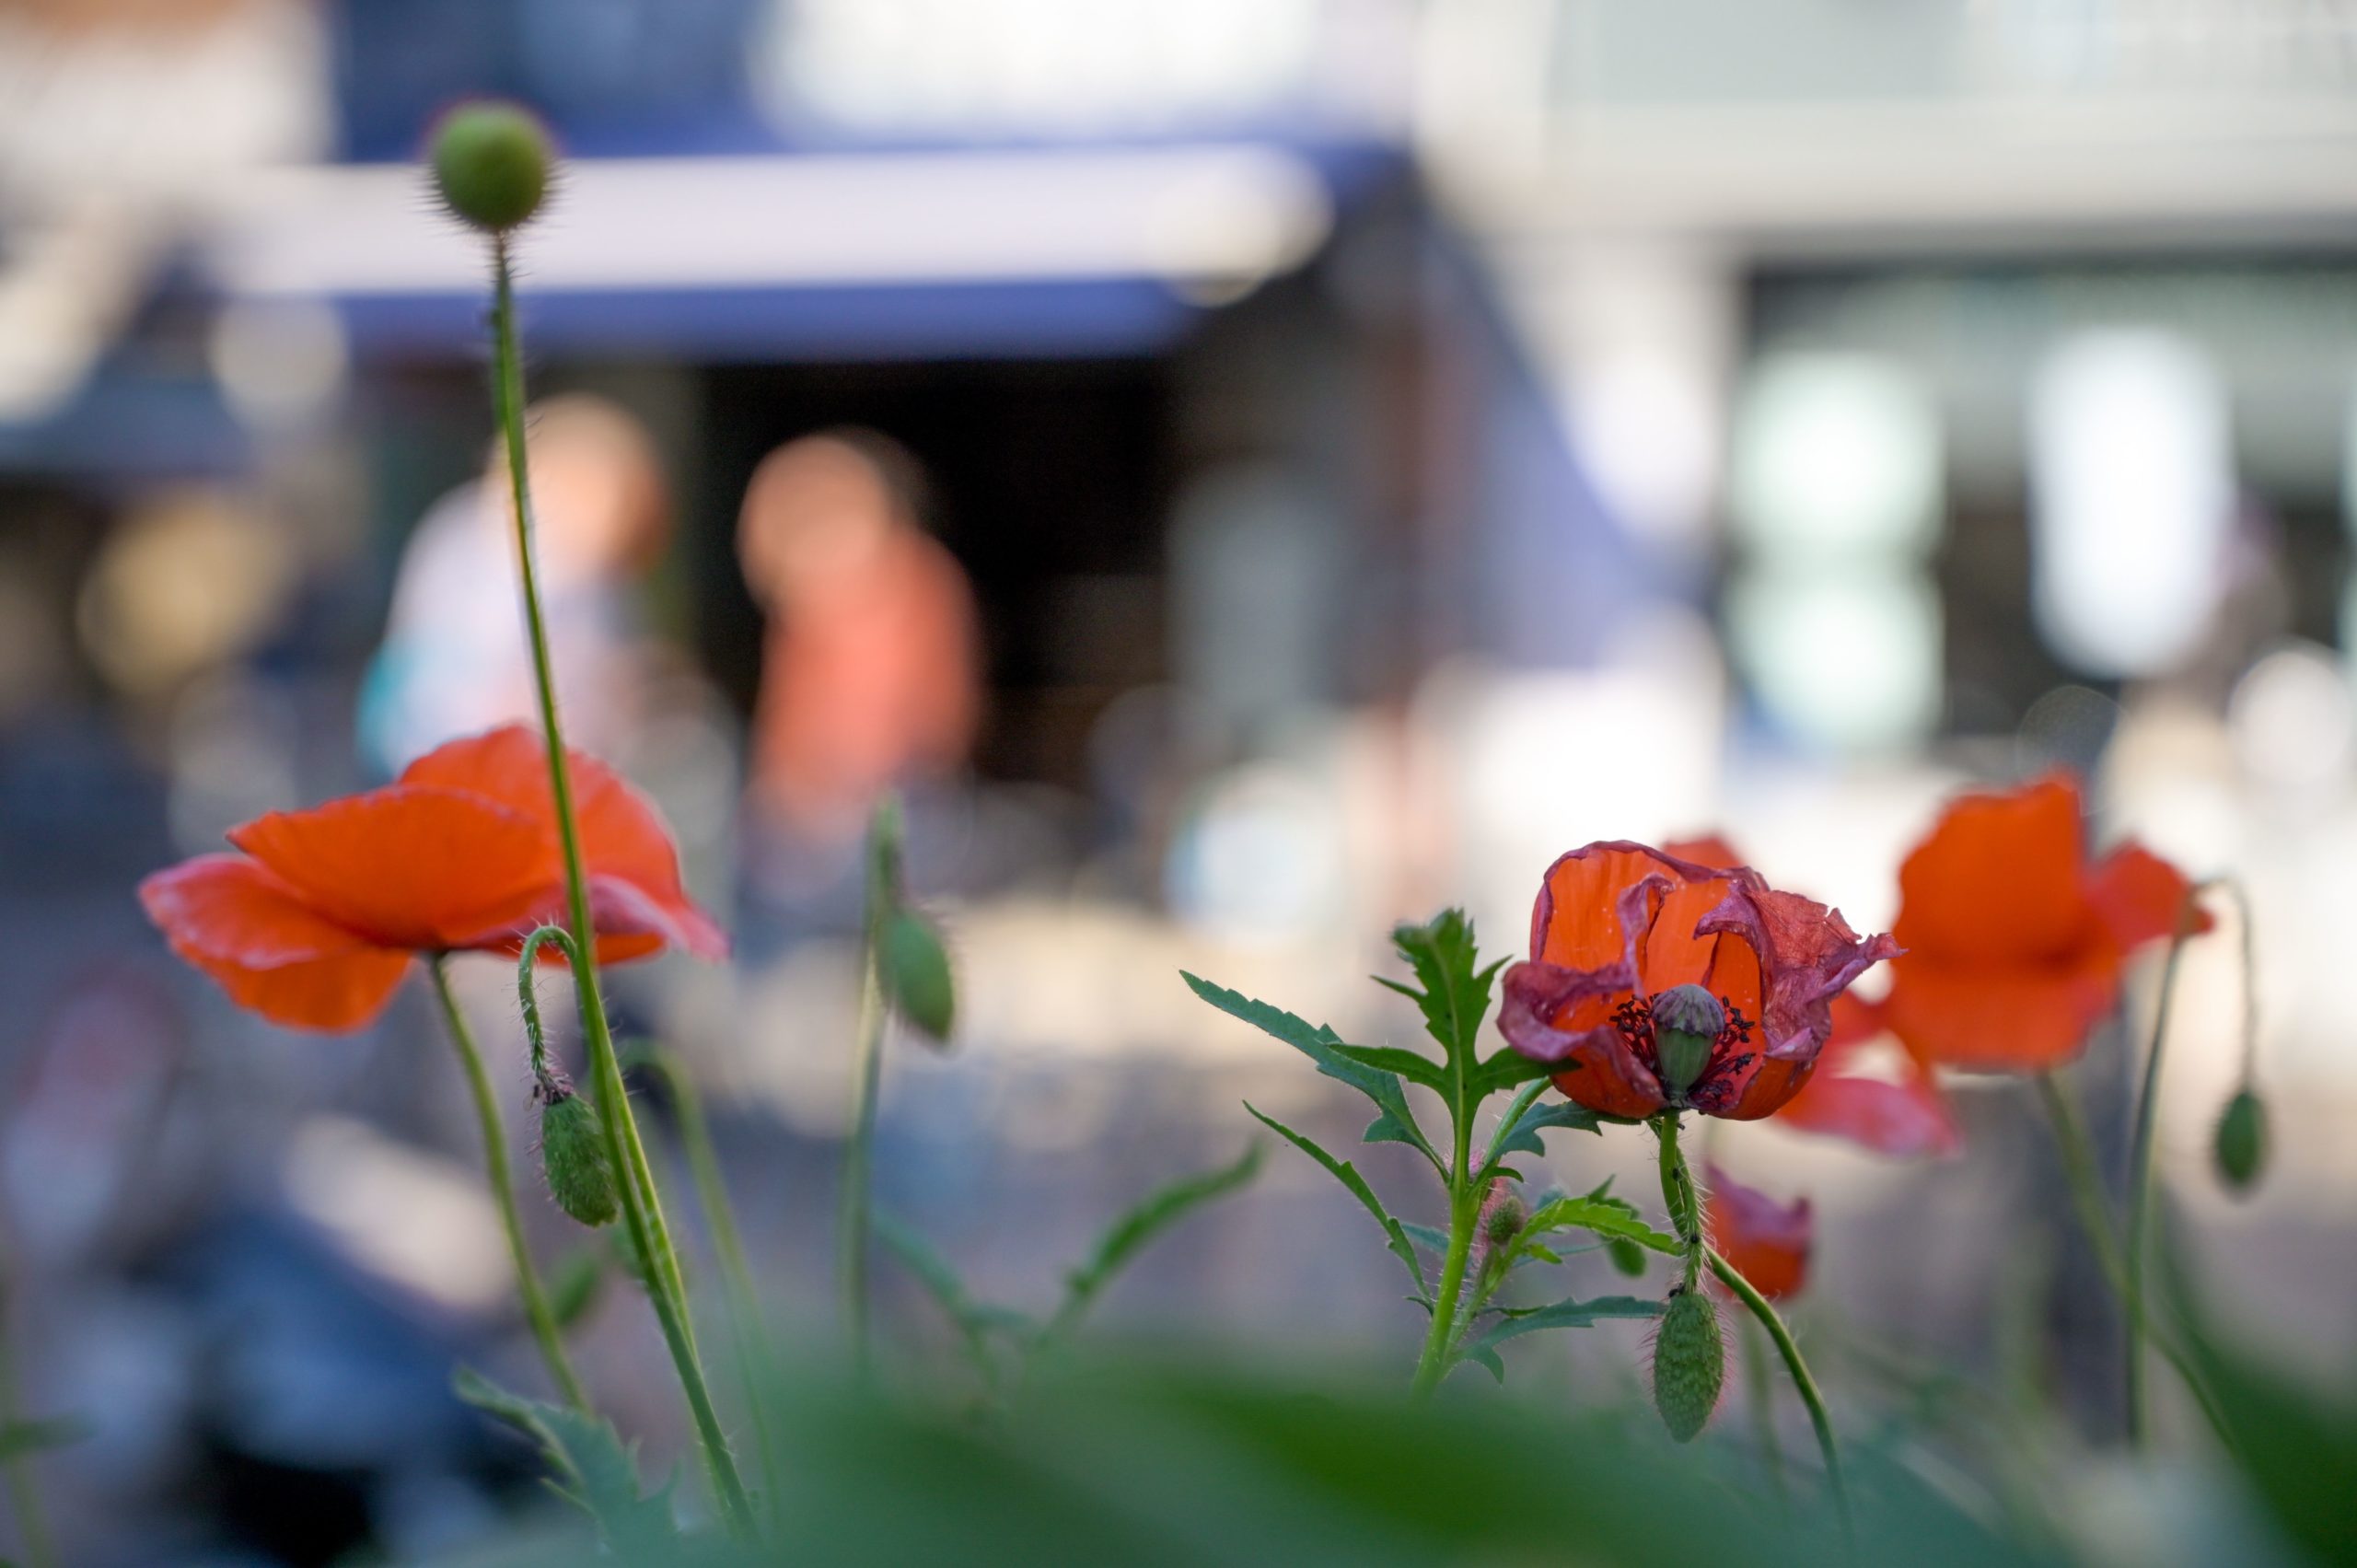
x: 912, y: 966
x: 593, y: 1469
x: 1394, y: 1235
x: 1516, y: 1321
x: 37, y: 1435
x: 977, y: 1321
x: 1396, y: 1122
x: 1689, y: 1364
x: 1613, y: 1218
x: 1518, y: 1135
x: 1130, y: 1234
x: 1455, y: 996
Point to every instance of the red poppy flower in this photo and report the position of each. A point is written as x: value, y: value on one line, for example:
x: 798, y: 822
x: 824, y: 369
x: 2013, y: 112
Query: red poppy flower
x: 2014, y: 942
x: 1906, y: 1115
x: 1767, y: 1241
x: 316, y: 921
x: 1619, y: 928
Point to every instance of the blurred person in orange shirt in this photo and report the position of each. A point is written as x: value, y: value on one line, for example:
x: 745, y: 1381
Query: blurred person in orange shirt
x: 455, y: 660
x: 870, y: 675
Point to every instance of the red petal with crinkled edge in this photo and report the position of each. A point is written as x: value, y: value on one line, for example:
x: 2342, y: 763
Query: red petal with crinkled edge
x: 1563, y: 1015
x: 1767, y: 1241
x: 1808, y: 956
x: 232, y: 919
x: 633, y: 863
x: 1908, y: 1117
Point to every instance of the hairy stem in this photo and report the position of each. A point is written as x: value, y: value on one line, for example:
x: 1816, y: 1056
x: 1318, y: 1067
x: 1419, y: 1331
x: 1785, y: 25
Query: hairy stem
x: 641, y: 1206
x: 503, y: 1192
x: 1465, y: 1197
x: 1803, y: 1382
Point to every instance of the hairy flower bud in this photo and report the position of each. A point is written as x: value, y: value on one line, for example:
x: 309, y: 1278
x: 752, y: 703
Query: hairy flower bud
x: 2240, y: 1144
x: 573, y: 1155
x: 1686, y: 1021
x: 490, y: 164
x: 914, y: 969
x: 1690, y: 1362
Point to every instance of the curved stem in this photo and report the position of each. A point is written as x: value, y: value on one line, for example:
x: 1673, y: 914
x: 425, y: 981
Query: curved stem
x: 642, y: 1207
x: 503, y: 1192
x: 852, y: 1222
x: 2083, y: 1177
x: 1801, y: 1380
x: 2139, y: 1168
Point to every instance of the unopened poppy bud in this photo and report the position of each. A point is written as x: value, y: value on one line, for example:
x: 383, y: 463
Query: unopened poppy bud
x: 914, y: 969
x: 2240, y: 1145
x: 1686, y: 1021
x: 1504, y: 1219
x: 1626, y: 1255
x: 490, y: 164
x: 1690, y: 1362
x: 573, y: 1155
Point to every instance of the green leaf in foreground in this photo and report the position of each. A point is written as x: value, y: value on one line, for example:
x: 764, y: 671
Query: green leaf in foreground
x: 1395, y: 1124
x: 1127, y: 1235
x: 1347, y: 1174
x: 592, y: 1466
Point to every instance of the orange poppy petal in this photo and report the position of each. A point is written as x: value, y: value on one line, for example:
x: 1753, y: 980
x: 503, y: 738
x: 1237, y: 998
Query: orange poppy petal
x: 2017, y: 1019
x: 2140, y: 897
x: 1557, y: 1014
x: 2001, y: 877
x: 1906, y: 1118
x: 1767, y: 1241
x: 231, y: 918
x: 406, y: 867
x: 623, y: 839
x: 1581, y: 921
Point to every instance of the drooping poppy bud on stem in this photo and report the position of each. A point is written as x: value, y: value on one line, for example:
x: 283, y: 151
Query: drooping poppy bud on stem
x: 573, y: 1153
x: 2239, y: 1146
x: 912, y: 966
x: 490, y: 164
x: 1689, y: 1363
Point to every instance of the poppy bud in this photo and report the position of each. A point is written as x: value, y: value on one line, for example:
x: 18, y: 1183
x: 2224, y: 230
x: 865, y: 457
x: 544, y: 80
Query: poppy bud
x: 1502, y: 1220
x: 1689, y: 1361
x: 573, y: 1155
x: 914, y: 969
x: 490, y: 164
x: 2240, y: 1145
x: 1686, y: 1021
x: 1626, y: 1255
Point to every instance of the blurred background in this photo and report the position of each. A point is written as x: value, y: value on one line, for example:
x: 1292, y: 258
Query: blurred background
x: 1253, y: 471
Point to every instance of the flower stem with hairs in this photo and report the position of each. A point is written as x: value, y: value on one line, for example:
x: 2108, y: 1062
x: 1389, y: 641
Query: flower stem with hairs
x: 503, y: 1192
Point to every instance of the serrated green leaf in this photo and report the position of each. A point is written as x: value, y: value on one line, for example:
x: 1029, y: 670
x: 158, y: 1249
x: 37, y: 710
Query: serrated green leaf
x: 1129, y: 1235
x: 1503, y: 1069
x: 35, y: 1435
x: 594, y: 1469
x: 1395, y: 1124
x: 1347, y: 1174
x: 1520, y: 1136
x: 1560, y: 1314
x: 1456, y: 998
x: 975, y: 1321
x: 1603, y: 1216
x: 1389, y: 1059
x: 1430, y: 1237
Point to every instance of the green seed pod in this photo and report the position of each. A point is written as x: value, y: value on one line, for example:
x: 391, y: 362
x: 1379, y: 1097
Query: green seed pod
x: 2240, y: 1145
x: 1626, y: 1255
x: 572, y: 1156
x: 1689, y: 1361
x: 1686, y: 1021
x: 490, y: 164
x: 914, y: 969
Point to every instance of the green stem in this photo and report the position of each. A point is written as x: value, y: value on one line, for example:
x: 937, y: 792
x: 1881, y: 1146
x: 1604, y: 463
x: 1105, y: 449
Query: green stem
x: 2081, y: 1175
x: 1464, y: 1218
x: 2140, y: 1169
x: 850, y: 1238
x: 24, y: 1492
x: 1763, y: 1390
x: 753, y: 1354
x: 1678, y: 1195
x: 503, y: 1192
x: 642, y: 1207
x: 1803, y: 1382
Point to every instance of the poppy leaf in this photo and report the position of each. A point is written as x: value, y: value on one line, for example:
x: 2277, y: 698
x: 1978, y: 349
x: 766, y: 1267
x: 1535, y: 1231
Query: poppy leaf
x: 1456, y: 998
x: 1607, y: 1218
x: 1560, y: 1314
x: 594, y: 1469
x: 1508, y: 1067
x: 1347, y: 1174
x: 1430, y: 1237
x: 1520, y: 1136
x: 1149, y: 1217
x: 1407, y: 1064
x: 1488, y: 1359
x: 976, y: 1320
x: 1397, y: 1124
